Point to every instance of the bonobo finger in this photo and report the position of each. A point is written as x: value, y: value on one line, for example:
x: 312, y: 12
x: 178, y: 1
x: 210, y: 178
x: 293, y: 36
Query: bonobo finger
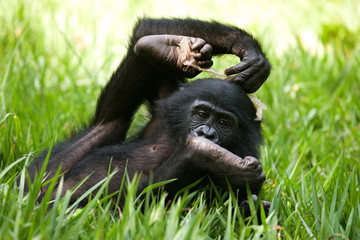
x: 251, y: 73
x: 206, y: 52
x: 253, y: 163
x: 257, y: 180
x: 190, y: 72
x: 252, y: 66
x: 249, y: 80
x: 238, y: 68
x: 197, y: 43
x: 205, y: 64
x: 254, y: 82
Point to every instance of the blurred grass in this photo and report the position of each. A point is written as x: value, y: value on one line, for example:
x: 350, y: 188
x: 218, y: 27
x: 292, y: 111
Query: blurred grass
x: 56, y: 55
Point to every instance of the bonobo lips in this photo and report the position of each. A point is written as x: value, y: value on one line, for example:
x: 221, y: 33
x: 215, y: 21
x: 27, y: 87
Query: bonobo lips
x: 194, y: 135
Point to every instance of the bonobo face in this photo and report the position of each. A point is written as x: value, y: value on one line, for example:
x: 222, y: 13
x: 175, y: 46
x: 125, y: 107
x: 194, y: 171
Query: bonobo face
x: 214, y: 109
x: 210, y: 121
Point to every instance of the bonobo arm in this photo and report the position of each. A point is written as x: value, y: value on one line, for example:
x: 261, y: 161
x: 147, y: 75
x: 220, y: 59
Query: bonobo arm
x: 221, y: 164
x: 137, y: 79
x: 224, y: 39
x: 202, y: 157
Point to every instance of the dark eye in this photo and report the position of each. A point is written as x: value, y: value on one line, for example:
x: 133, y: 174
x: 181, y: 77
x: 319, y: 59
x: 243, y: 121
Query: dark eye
x: 223, y: 123
x: 202, y: 115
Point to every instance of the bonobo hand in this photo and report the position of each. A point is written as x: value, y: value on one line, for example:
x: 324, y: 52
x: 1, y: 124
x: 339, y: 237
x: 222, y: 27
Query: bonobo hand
x: 222, y: 164
x: 165, y: 49
x: 254, y: 68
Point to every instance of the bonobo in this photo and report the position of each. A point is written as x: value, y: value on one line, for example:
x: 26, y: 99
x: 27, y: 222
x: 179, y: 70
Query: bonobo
x: 203, y: 128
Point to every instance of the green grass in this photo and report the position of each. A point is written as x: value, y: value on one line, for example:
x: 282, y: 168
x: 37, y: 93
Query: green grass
x: 56, y: 56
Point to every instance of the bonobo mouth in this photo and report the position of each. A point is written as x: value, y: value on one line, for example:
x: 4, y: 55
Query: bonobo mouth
x: 194, y: 134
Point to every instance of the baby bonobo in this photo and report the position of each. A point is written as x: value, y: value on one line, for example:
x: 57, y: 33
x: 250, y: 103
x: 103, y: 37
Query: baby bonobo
x: 198, y: 129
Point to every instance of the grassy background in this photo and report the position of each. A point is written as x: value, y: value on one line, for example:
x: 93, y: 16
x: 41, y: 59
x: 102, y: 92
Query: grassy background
x: 56, y: 56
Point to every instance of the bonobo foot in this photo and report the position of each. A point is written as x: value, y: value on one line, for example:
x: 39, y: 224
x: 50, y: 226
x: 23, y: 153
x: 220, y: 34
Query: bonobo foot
x: 166, y: 49
x: 245, y: 207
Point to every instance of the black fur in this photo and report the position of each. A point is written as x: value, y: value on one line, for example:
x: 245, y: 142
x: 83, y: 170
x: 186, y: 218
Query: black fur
x: 163, y: 145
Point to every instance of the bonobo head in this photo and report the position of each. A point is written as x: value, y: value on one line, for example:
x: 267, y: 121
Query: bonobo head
x: 217, y: 110
x: 210, y: 121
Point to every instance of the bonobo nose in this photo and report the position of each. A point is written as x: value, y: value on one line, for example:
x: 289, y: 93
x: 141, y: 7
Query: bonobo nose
x: 207, y: 132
